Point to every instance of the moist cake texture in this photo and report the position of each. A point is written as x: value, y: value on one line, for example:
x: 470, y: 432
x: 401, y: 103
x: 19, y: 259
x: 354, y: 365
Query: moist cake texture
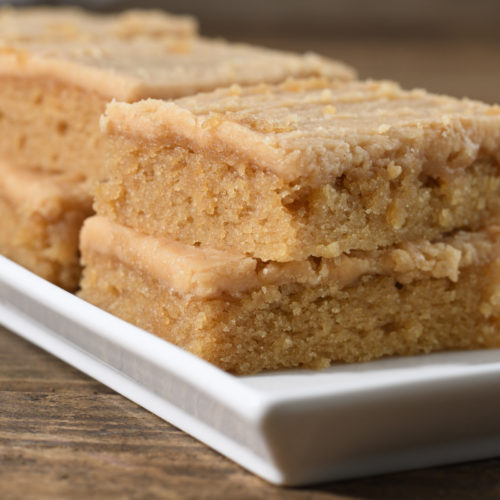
x: 246, y: 316
x: 57, y: 74
x: 41, y: 218
x: 304, y: 168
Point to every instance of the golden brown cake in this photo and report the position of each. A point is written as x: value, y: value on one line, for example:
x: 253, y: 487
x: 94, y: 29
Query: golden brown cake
x: 305, y: 168
x: 41, y: 217
x: 57, y: 73
x: 246, y: 315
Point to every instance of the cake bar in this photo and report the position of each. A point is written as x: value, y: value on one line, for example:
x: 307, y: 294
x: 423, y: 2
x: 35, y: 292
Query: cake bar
x: 57, y: 74
x: 304, y: 168
x: 41, y: 217
x: 245, y: 315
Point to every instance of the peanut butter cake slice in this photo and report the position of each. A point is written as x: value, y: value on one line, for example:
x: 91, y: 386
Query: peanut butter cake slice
x: 304, y: 168
x: 246, y: 316
x: 57, y: 74
x: 42, y: 214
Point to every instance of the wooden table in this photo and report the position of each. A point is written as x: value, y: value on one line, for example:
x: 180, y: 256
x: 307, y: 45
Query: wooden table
x: 63, y: 435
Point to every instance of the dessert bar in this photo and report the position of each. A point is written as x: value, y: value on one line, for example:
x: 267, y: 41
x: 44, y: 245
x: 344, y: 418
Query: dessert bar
x: 246, y: 315
x: 305, y: 168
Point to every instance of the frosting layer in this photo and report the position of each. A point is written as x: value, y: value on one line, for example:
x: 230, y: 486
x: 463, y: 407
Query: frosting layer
x: 314, y: 130
x: 139, y: 54
x: 209, y: 273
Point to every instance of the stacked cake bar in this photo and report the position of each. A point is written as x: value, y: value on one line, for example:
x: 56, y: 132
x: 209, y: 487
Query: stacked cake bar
x: 59, y: 68
x: 299, y: 224
x: 41, y: 218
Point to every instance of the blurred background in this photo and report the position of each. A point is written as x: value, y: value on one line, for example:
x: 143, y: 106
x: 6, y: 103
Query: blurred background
x: 447, y: 46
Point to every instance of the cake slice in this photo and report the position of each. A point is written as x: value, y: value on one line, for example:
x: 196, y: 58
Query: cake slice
x: 304, y: 168
x: 41, y: 218
x: 245, y: 315
x: 58, y: 72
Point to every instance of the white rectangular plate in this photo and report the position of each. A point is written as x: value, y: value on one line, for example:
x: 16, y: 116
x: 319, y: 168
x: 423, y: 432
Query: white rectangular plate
x: 293, y: 427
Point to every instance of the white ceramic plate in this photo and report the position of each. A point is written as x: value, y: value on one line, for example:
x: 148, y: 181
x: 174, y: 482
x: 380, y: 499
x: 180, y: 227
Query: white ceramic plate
x: 293, y: 427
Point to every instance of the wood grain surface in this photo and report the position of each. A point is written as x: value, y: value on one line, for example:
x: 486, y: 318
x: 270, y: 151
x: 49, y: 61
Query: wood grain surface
x: 64, y: 435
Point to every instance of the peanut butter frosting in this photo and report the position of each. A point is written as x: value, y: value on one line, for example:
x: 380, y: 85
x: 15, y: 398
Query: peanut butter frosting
x: 45, y: 193
x: 315, y: 129
x: 209, y: 273
x: 138, y: 55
